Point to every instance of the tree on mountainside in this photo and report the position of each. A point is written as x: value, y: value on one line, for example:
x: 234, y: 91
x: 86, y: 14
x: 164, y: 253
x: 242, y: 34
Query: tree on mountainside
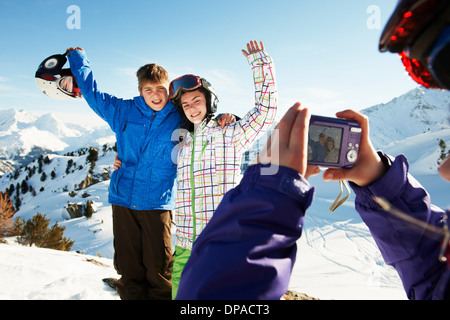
x: 6, y: 214
x: 89, y: 209
x: 40, y: 160
x: 24, y: 187
x: 93, y: 155
x: 36, y: 231
x: 92, y: 158
x: 69, y: 165
x: 444, y: 152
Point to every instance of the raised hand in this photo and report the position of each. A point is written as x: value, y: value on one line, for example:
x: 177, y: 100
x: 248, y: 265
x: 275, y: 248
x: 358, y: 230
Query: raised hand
x: 77, y: 48
x: 253, y: 47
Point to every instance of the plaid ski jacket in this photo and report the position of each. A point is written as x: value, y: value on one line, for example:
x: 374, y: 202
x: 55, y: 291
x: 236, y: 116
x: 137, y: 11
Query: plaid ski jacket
x: 209, y: 160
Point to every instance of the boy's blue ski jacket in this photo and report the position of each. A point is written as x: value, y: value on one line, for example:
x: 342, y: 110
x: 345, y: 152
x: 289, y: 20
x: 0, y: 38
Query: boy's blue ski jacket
x: 146, y: 180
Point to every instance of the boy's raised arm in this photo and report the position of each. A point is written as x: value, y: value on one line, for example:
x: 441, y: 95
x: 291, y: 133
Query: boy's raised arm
x: 103, y: 104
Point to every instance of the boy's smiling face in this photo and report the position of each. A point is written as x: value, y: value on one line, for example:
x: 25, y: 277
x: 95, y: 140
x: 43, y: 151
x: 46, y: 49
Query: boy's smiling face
x: 155, y: 94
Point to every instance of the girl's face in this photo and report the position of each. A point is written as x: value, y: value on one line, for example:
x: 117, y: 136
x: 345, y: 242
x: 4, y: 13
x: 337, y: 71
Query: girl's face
x: 330, y: 145
x: 194, y: 106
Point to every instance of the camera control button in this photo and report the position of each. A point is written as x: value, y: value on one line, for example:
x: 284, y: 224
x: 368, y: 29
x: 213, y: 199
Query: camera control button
x: 352, y: 155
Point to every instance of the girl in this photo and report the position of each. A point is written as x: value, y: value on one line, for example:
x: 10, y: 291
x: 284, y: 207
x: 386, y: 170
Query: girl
x: 209, y: 156
x: 332, y: 155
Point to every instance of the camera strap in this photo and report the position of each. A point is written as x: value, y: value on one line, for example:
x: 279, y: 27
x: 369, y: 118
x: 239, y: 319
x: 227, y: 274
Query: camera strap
x: 338, y: 202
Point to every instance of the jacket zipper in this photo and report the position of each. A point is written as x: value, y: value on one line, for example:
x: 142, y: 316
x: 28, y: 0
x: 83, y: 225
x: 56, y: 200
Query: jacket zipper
x: 134, y: 176
x: 194, y: 219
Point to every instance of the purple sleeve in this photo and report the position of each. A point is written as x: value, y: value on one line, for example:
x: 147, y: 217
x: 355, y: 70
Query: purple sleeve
x: 411, y: 251
x: 248, y: 249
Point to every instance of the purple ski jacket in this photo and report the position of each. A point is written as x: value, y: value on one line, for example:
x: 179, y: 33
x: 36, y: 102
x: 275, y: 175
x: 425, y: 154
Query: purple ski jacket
x: 248, y: 249
x: 411, y: 250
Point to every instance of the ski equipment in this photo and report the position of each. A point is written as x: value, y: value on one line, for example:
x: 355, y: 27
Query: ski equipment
x: 56, y: 82
x: 189, y: 83
x: 419, y: 30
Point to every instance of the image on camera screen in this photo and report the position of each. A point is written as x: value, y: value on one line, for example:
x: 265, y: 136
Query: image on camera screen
x: 324, y: 144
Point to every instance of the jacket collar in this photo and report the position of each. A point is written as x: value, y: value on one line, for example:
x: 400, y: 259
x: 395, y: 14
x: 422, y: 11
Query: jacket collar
x: 149, y: 112
x: 205, y: 125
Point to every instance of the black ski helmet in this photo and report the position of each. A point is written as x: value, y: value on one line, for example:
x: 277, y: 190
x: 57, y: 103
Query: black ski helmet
x: 188, y: 83
x: 56, y: 82
x: 419, y: 30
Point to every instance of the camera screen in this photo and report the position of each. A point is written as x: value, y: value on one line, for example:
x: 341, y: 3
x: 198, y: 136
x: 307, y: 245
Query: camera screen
x: 324, y: 144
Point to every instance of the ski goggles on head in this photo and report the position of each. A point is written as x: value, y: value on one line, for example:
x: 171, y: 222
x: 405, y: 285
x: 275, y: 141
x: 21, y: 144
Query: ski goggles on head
x: 418, y: 71
x: 182, y: 84
x: 188, y: 83
x: 433, y: 69
x: 419, y: 31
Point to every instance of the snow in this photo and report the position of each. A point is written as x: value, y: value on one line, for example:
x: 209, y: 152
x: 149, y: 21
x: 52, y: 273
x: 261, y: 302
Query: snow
x: 23, y: 134
x: 416, y: 112
x: 337, y: 257
x: 29, y: 273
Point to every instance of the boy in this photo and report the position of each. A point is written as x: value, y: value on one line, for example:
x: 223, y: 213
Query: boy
x: 142, y: 192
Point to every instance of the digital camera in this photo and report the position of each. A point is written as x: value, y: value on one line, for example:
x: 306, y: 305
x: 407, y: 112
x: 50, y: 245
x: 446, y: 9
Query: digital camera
x: 333, y: 142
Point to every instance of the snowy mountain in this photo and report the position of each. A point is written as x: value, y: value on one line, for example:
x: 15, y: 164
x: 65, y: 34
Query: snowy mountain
x: 337, y: 257
x: 417, y: 112
x: 413, y: 124
x: 24, y: 136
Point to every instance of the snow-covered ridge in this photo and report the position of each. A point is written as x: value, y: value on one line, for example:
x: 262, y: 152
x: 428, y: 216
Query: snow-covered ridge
x: 23, y: 136
x: 416, y: 112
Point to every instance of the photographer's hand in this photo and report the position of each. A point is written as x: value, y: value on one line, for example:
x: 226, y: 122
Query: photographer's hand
x: 368, y: 167
x: 292, y: 143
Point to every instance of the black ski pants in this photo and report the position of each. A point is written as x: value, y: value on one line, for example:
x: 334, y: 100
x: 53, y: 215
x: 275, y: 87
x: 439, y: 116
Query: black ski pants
x: 143, y: 253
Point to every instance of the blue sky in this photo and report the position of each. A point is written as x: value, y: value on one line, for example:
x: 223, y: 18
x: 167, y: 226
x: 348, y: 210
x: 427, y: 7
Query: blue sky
x: 326, y: 54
